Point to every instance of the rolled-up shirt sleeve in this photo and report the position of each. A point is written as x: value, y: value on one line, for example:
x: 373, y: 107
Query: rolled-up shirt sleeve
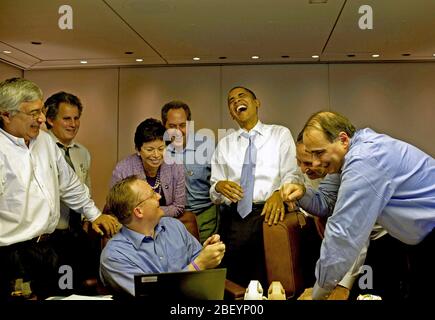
x: 321, y: 202
x: 72, y: 192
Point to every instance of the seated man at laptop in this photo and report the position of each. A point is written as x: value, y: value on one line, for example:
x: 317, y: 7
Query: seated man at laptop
x: 148, y: 242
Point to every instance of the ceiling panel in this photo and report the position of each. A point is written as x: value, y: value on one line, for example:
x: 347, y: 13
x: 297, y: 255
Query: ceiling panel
x: 218, y: 32
x: 98, y: 33
x: 181, y: 30
x: 399, y: 27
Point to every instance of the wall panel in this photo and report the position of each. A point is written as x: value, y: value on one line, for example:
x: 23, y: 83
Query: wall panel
x: 7, y: 71
x: 393, y: 98
x: 143, y: 92
x: 98, y: 91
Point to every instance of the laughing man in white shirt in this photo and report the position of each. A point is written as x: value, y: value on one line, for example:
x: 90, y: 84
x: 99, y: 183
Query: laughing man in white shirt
x: 275, y: 165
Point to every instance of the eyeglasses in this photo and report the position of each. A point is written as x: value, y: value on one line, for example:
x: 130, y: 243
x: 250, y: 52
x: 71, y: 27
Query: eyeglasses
x: 154, y: 195
x: 35, y: 114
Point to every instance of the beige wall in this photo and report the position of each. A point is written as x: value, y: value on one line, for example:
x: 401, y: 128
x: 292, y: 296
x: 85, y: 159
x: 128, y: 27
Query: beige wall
x: 98, y: 91
x: 396, y: 98
x: 7, y: 71
x: 393, y: 98
x: 144, y: 91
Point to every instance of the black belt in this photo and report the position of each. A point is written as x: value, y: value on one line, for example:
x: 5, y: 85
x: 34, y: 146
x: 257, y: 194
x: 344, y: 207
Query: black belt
x: 47, y: 236
x: 258, y: 205
x: 41, y: 238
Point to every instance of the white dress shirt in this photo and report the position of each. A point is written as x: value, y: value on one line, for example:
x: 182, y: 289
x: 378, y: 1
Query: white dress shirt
x: 33, y: 180
x: 81, y: 160
x: 276, y: 161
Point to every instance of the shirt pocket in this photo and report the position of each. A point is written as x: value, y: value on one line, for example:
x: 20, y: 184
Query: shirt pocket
x: 198, y: 172
x: 178, y: 257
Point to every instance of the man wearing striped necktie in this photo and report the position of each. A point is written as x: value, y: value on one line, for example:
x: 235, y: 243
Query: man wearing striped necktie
x: 63, y: 121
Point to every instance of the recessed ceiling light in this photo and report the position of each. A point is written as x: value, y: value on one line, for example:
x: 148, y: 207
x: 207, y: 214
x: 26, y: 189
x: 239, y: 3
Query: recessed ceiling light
x: 375, y: 55
x: 83, y: 62
x: 196, y: 58
x: 36, y: 43
x: 315, y: 56
x: 7, y: 51
x: 255, y: 57
x: 139, y: 60
x: 434, y: 54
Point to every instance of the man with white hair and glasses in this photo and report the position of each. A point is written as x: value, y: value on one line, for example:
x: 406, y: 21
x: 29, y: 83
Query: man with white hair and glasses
x: 34, y: 177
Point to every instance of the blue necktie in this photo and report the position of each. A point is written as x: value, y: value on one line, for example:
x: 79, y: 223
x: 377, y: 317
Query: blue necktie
x: 244, y: 206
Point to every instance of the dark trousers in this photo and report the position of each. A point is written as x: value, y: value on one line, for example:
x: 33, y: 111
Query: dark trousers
x: 422, y: 268
x: 243, y: 238
x: 33, y: 262
x: 400, y: 271
x: 77, y: 249
x: 38, y: 263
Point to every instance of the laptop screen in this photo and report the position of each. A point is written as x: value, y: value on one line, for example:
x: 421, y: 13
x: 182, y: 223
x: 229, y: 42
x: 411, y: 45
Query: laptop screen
x: 189, y: 285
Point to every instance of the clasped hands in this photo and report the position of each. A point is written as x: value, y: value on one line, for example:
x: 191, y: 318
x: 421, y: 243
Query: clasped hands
x: 212, y: 253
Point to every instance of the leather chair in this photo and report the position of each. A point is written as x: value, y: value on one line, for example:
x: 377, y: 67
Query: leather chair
x: 291, y: 249
x: 189, y: 220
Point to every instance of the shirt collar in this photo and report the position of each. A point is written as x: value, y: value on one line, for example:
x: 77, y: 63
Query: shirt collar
x: 189, y: 147
x: 137, y: 238
x: 258, y: 128
x: 15, y: 140
x: 71, y: 145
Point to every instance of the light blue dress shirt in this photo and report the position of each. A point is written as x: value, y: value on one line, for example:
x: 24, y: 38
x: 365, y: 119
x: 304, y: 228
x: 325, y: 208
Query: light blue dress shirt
x: 383, y: 180
x: 321, y: 202
x: 196, y: 160
x: 130, y: 253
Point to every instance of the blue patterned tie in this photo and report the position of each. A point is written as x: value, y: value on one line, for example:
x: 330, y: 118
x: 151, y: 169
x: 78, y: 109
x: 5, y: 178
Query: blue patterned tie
x: 244, y: 206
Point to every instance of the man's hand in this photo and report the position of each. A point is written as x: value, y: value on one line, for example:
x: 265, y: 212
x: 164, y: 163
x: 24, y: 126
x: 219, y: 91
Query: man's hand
x: 307, y: 294
x: 290, y: 192
x: 229, y: 189
x: 273, y: 209
x: 339, y: 293
x: 211, y: 255
x: 212, y: 240
x: 109, y: 224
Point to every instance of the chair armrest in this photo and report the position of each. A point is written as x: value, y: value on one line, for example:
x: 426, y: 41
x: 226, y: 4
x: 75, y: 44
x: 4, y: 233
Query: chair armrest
x: 188, y: 218
x: 233, y: 291
x: 282, y: 248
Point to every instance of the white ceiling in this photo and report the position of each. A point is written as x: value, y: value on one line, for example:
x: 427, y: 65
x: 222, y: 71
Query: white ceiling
x: 172, y: 32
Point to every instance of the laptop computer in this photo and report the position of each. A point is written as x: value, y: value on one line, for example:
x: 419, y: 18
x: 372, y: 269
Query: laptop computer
x: 188, y: 285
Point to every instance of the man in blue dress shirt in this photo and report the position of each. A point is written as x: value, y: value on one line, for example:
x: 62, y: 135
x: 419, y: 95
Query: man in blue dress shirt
x: 383, y: 180
x: 194, y: 151
x: 148, y: 242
